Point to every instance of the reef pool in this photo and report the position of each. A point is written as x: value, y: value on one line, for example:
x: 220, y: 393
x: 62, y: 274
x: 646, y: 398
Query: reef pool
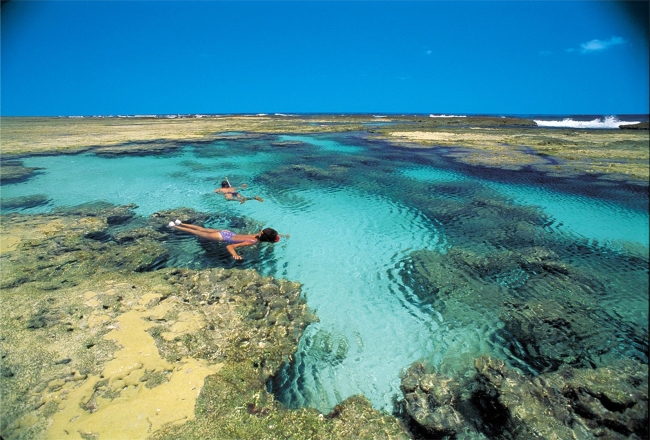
x: 403, y: 254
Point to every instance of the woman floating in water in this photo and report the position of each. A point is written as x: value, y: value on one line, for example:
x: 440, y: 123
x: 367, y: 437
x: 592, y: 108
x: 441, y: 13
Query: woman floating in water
x: 231, y: 193
x: 268, y: 235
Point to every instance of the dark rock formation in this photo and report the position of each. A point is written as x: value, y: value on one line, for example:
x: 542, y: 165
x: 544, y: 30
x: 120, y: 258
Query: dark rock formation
x: 639, y: 126
x: 13, y: 171
x: 498, y: 402
x: 25, y: 202
x: 152, y: 148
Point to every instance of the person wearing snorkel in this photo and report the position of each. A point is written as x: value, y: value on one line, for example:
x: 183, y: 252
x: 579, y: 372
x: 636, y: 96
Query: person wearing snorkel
x: 268, y: 235
x: 230, y: 192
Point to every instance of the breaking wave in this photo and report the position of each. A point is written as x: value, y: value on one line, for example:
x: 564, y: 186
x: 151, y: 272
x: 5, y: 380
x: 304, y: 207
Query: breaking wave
x: 606, y: 122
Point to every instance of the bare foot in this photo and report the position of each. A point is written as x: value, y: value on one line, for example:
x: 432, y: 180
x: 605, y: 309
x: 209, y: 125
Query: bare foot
x: 259, y: 199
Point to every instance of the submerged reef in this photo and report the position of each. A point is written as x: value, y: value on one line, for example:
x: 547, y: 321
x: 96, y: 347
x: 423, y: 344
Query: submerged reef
x: 549, y: 306
x: 568, y: 344
x: 13, y: 171
x: 99, y: 339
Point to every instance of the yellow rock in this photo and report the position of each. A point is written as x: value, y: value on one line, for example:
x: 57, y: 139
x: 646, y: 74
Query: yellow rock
x: 138, y: 411
x: 92, y: 303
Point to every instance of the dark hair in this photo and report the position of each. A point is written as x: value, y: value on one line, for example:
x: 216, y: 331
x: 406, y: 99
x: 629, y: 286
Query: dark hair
x: 225, y: 184
x: 269, y: 235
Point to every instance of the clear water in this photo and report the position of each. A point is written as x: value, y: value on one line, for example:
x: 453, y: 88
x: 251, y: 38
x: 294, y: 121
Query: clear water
x: 356, y: 210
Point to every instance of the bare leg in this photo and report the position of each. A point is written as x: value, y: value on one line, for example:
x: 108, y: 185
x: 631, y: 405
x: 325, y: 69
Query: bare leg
x: 196, y: 227
x: 208, y: 234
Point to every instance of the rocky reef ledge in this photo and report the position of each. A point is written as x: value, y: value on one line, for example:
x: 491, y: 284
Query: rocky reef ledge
x: 495, y: 401
x: 638, y: 126
x: 100, y: 340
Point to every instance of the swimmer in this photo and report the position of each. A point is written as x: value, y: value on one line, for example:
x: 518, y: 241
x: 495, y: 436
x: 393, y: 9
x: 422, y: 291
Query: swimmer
x: 234, y: 240
x: 231, y: 193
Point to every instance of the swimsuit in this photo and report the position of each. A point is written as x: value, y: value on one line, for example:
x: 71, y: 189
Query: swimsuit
x: 235, y: 194
x: 228, y: 235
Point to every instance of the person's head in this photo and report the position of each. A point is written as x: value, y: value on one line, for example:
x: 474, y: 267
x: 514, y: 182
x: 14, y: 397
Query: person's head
x: 269, y: 235
x: 225, y: 184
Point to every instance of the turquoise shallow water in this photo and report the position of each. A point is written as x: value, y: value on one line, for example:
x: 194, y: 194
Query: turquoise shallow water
x: 356, y: 212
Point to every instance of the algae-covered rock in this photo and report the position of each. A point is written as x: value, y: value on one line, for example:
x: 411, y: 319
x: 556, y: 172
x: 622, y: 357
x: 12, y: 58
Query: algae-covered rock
x: 429, y: 400
x: 499, y: 402
x: 549, y: 334
x: 58, y: 249
x: 609, y: 401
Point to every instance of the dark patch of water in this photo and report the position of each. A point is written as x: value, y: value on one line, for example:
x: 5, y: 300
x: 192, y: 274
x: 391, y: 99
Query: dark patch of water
x: 631, y: 195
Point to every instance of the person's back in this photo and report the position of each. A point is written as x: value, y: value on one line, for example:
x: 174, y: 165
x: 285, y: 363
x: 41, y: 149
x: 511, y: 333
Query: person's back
x: 230, y: 192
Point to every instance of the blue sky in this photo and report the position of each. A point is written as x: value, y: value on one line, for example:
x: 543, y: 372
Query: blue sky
x: 171, y: 57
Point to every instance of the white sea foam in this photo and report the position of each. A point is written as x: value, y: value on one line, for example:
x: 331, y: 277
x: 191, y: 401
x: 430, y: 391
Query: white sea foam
x: 447, y: 116
x: 607, y: 122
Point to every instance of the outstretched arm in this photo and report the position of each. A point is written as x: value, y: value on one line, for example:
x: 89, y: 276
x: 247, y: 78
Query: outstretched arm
x: 233, y: 252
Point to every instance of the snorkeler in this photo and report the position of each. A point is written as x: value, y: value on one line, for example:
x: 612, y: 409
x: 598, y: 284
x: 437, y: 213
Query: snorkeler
x: 231, y: 193
x: 268, y: 235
